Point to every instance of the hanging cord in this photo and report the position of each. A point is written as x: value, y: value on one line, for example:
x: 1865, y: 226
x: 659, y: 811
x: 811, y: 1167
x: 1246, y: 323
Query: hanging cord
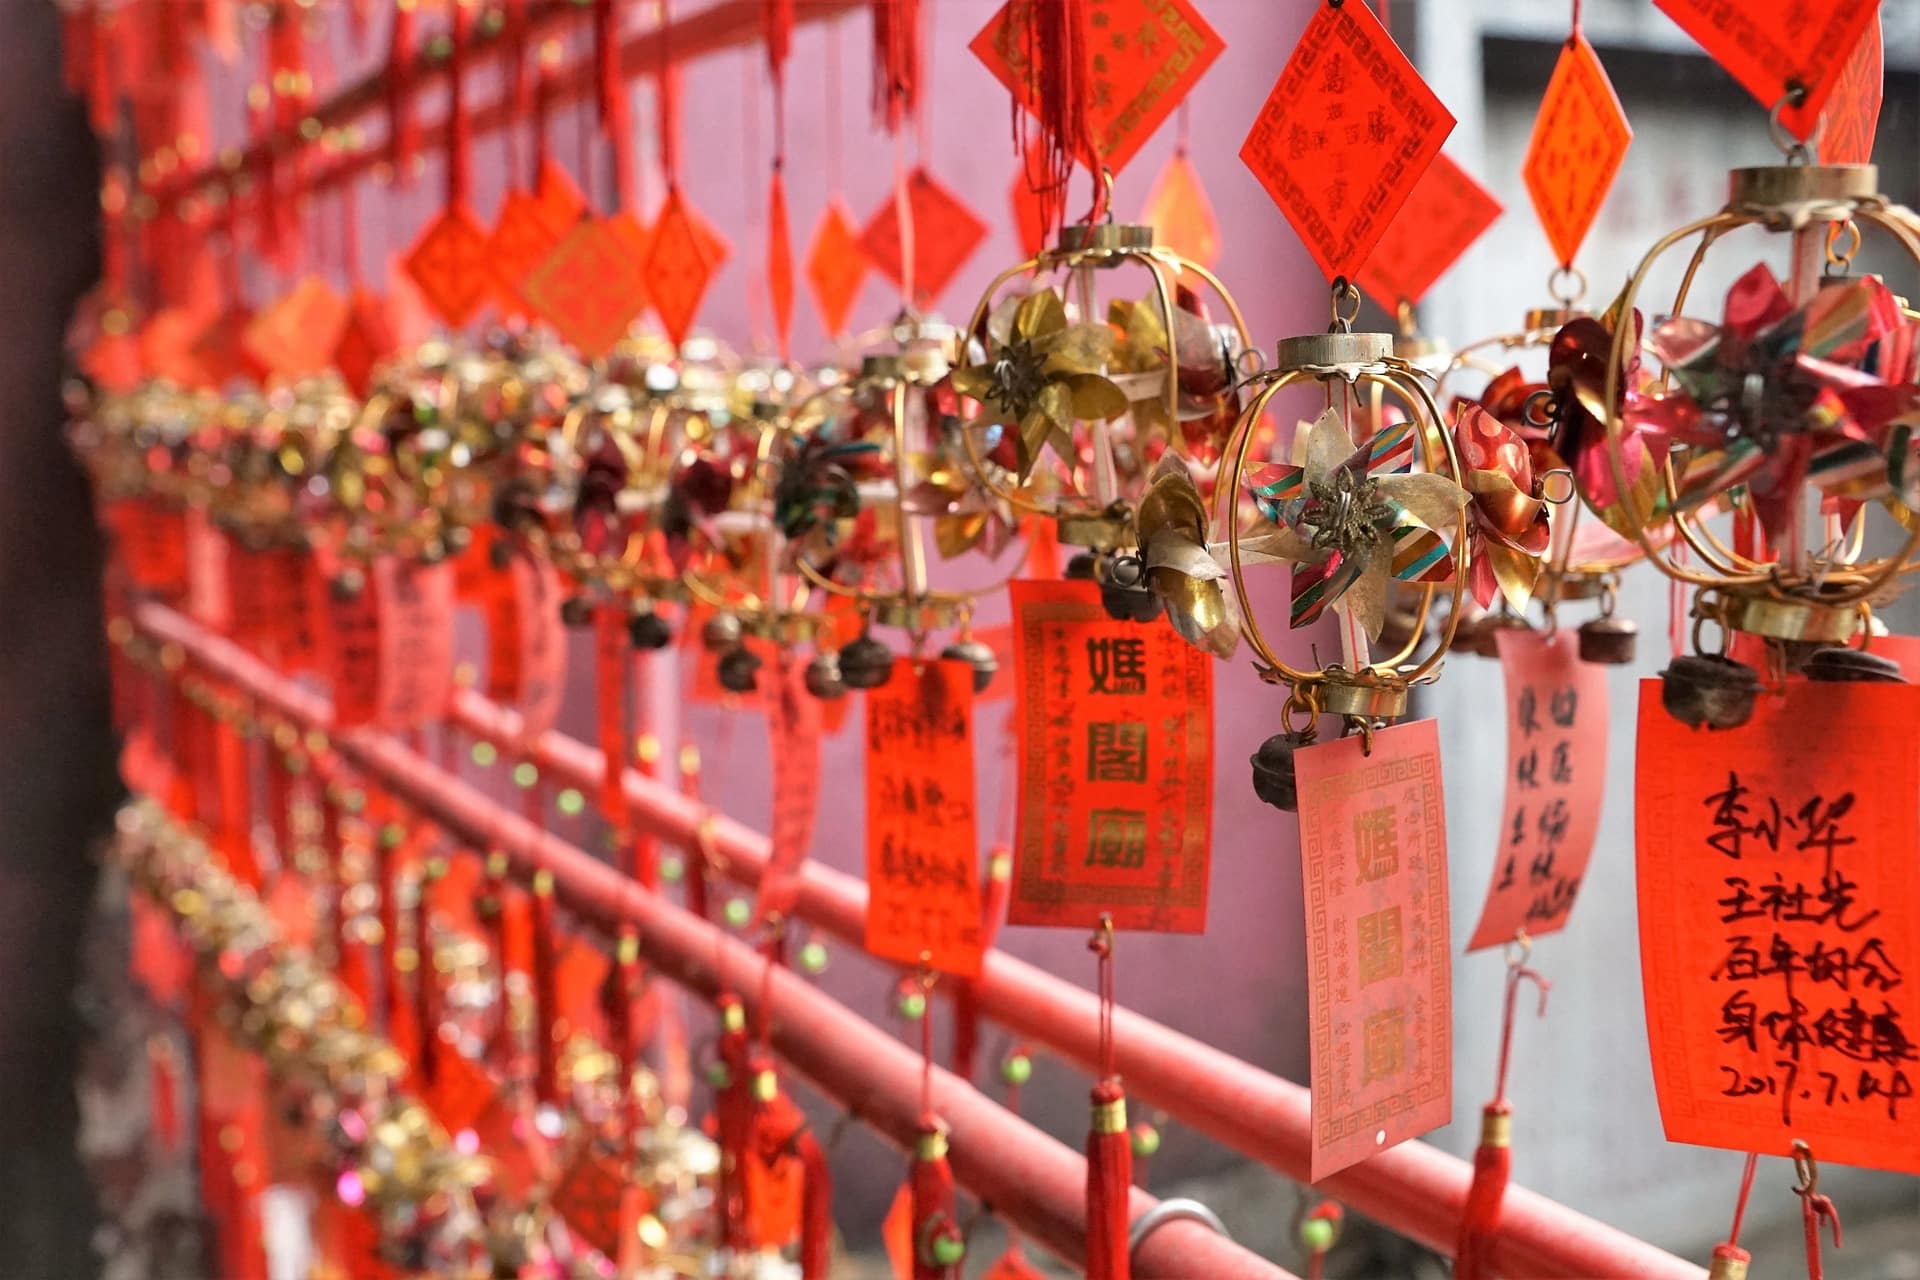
x: 1493, y: 1160
x: 1815, y: 1208
x: 1109, y: 1147
x: 1729, y: 1259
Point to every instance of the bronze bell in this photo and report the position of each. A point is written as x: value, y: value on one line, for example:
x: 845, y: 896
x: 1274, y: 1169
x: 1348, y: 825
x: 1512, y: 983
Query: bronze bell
x: 866, y: 663
x: 1609, y: 641
x: 648, y: 630
x: 1837, y: 664
x: 739, y: 669
x: 1124, y: 592
x: 1080, y: 567
x: 721, y: 633
x: 1706, y: 689
x: 978, y: 655
x: 576, y: 611
x: 823, y: 676
x: 349, y: 582
x: 1273, y: 779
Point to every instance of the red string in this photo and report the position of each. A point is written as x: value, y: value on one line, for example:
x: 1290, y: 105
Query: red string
x: 1184, y: 127
x: 1576, y: 22
x: 668, y: 87
x: 1740, y: 1205
x: 1814, y: 1209
x: 459, y: 124
x: 1102, y: 946
x: 1516, y: 973
x: 1386, y: 18
x: 832, y: 82
x: 926, y: 1058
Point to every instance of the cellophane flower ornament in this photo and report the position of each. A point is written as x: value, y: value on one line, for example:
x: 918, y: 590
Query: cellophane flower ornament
x: 1576, y: 427
x: 1206, y: 404
x: 1352, y: 520
x: 1507, y: 517
x: 1777, y: 396
x: 1042, y: 373
x: 1171, y: 527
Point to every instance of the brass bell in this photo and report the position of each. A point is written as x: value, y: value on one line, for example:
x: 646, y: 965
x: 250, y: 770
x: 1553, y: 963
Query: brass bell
x: 739, y: 669
x: 1709, y: 690
x: 576, y: 611
x: 648, y: 630
x: 1273, y: 778
x: 1124, y: 592
x: 866, y: 663
x: 1080, y: 568
x: 721, y: 633
x: 1608, y: 640
x: 978, y: 655
x: 1837, y: 664
x: 823, y: 676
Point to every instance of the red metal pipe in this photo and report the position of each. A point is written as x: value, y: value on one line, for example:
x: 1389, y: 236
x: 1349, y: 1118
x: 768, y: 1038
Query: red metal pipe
x: 1416, y: 1189
x: 1033, y: 1181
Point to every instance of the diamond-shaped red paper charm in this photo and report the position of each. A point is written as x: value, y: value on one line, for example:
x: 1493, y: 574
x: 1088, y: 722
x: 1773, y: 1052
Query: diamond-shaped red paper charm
x: 1146, y: 56
x: 561, y: 200
x: 1579, y: 140
x: 1344, y: 136
x: 1771, y: 46
x: 945, y: 234
x: 589, y: 288
x: 589, y: 1198
x: 521, y: 240
x: 449, y: 263
x: 836, y: 266
x: 166, y: 347
x: 1446, y: 213
x: 221, y: 352
x: 1853, y: 109
x: 296, y: 335
x: 780, y: 264
x: 1180, y: 213
x: 365, y: 340
x: 680, y: 264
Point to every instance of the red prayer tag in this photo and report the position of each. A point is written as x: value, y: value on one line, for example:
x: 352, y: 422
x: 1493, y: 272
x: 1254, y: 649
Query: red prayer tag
x: 1852, y: 116
x: 590, y: 288
x: 449, y: 264
x: 1770, y: 45
x: 681, y: 262
x: 295, y: 336
x: 793, y: 723
x: 836, y: 266
x: 1446, y: 213
x: 1344, y: 136
x: 923, y: 891
x: 1556, y: 778
x: 415, y: 604
x: 775, y: 1178
x: 589, y: 1197
x: 1373, y: 851
x: 945, y: 235
x: 1779, y: 900
x: 366, y: 339
x: 152, y: 542
x: 1146, y: 56
x: 1579, y: 139
x: 1115, y: 726
x: 1180, y: 213
x: 527, y: 644
x: 220, y: 351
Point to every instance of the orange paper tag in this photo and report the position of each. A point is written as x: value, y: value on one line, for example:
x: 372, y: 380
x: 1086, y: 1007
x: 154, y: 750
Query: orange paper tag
x: 1373, y: 851
x: 1579, y: 139
x: 589, y: 287
x: 1773, y: 46
x: 1779, y: 920
x: 793, y: 724
x: 1556, y: 777
x: 1181, y: 214
x: 681, y: 262
x: 896, y: 1233
x: 1446, y: 213
x: 836, y: 266
x: 923, y: 888
x: 1115, y: 725
x: 1344, y: 136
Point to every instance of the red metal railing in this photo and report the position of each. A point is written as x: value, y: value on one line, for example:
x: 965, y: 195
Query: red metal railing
x: 1033, y: 1181
x: 1415, y: 1189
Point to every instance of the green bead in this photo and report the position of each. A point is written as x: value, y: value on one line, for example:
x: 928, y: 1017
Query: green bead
x: 738, y: 913
x: 813, y: 958
x: 672, y: 869
x: 391, y: 834
x: 1316, y: 1235
x: 571, y: 803
x: 718, y: 1076
x: 1146, y: 1140
x: 484, y: 754
x: 947, y: 1251
x: 913, y: 1005
x: 1017, y: 1069
x: 525, y: 774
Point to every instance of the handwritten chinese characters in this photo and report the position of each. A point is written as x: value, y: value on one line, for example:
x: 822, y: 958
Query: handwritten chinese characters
x: 923, y: 887
x: 1116, y: 767
x: 1779, y: 908
x: 1374, y: 862
x: 1556, y: 774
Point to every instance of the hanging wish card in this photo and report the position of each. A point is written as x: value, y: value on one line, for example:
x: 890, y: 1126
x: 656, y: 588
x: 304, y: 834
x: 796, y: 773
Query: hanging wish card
x: 793, y: 728
x: 1777, y: 47
x: 1556, y: 776
x: 923, y: 884
x: 1373, y: 850
x: 1115, y: 725
x: 1779, y: 885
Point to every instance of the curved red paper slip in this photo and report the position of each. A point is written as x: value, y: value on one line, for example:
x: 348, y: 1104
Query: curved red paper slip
x: 1446, y: 213
x: 1852, y: 115
x: 1181, y: 214
x: 449, y: 264
x: 923, y: 894
x: 1579, y: 139
x: 276, y: 604
x: 793, y: 724
x: 1373, y: 852
x: 1556, y: 781
x: 945, y: 234
x: 836, y: 266
x: 1768, y: 45
x: 1779, y: 896
x: 527, y: 643
x: 1147, y: 56
x: 390, y: 645
x: 682, y: 259
x: 1344, y: 136
x: 166, y: 346
x: 1115, y: 727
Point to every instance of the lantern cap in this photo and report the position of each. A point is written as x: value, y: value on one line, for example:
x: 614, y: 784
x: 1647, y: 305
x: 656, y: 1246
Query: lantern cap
x: 1122, y: 237
x: 1796, y: 194
x: 1322, y: 350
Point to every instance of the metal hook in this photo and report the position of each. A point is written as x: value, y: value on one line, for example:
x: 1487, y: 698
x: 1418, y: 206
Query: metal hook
x: 1344, y: 290
x: 1806, y: 1170
x: 1796, y: 151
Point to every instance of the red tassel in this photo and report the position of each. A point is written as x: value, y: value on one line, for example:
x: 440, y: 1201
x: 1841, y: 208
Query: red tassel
x: 545, y: 991
x: 1058, y: 40
x: 779, y: 30
x: 1480, y: 1220
x: 619, y: 997
x: 733, y: 1111
x: 459, y: 122
x: 493, y: 910
x: 937, y: 1244
x: 1109, y: 1178
x: 426, y: 985
x: 816, y: 1207
x: 896, y: 61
